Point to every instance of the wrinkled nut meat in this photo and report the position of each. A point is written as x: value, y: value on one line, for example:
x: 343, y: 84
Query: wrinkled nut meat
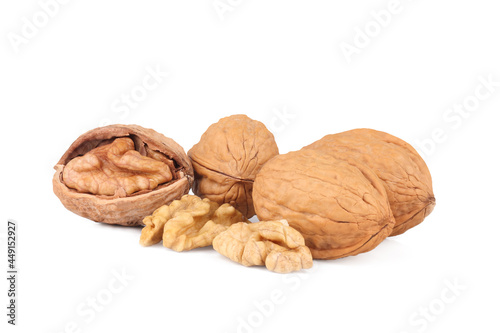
x: 405, y: 175
x: 115, y: 169
x: 271, y: 243
x: 152, y: 233
x: 187, y: 231
x: 227, y: 158
x: 118, y: 174
x: 341, y: 209
x: 188, y: 223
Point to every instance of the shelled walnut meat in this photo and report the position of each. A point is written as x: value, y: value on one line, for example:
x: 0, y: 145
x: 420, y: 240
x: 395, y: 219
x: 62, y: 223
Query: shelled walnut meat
x: 227, y: 158
x: 188, y: 223
x: 404, y: 174
x: 118, y: 174
x: 340, y: 208
x: 271, y: 243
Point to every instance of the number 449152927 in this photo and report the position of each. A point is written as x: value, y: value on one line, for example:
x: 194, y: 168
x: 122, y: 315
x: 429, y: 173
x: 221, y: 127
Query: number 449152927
x: 11, y: 244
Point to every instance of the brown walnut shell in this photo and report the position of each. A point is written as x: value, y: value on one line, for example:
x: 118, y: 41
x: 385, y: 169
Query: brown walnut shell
x: 340, y: 208
x: 118, y: 174
x: 405, y: 175
x: 227, y: 158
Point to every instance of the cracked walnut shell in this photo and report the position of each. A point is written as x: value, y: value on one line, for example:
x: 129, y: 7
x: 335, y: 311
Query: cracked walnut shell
x: 340, y: 208
x: 118, y: 174
x: 271, y: 243
x: 227, y: 158
x: 403, y: 172
x: 188, y: 223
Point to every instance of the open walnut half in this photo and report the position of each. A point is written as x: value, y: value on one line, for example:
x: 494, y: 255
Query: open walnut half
x: 119, y: 174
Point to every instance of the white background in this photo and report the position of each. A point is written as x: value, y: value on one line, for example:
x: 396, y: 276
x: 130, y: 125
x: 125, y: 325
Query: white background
x: 261, y: 58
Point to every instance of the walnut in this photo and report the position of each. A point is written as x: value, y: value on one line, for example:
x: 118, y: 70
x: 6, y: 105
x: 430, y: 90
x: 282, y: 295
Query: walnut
x: 271, y: 243
x: 188, y: 223
x: 115, y: 169
x: 340, y: 208
x: 403, y: 172
x: 118, y: 174
x: 227, y: 158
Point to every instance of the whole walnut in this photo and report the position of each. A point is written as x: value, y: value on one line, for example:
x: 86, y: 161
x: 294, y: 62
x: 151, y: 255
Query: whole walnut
x: 340, y: 208
x: 118, y: 174
x: 404, y: 174
x: 227, y: 158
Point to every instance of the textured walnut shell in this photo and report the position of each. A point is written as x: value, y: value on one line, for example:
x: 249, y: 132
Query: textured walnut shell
x: 341, y: 209
x: 129, y: 210
x: 405, y: 175
x: 227, y: 158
